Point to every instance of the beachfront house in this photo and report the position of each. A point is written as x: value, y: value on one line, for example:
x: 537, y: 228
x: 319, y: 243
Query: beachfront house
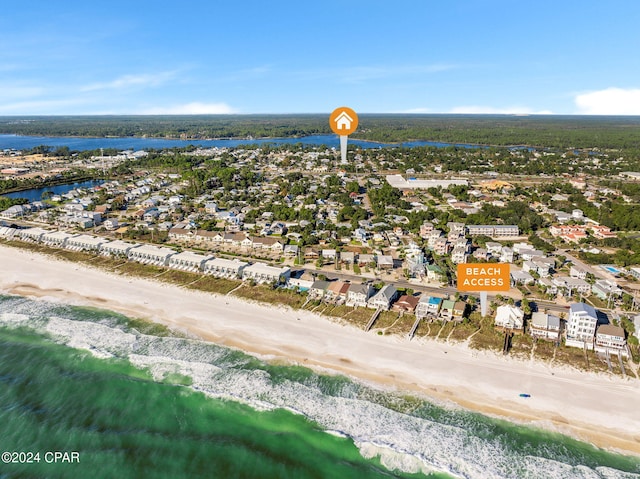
x: 428, y: 306
x: 337, y: 291
x: 32, y: 234
x: 85, y: 243
x: 263, y: 273
x: 224, y: 268
x: 358, y: 294
x: 459, y: 308
x: 581, y: 325
x: 188, y: 261
x: 509, y: 317
x: 406, y: 303
x: 57, y: 239
x: 383, y: 298
x: 117, y: 248
x: 611, y: 339
x: 446, y: 311
x: 153, y: 255
x: 7, y: 232
x: 545, y: 326
x: 318, y: 289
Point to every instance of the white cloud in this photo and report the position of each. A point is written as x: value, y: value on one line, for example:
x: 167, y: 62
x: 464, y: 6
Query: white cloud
x: 127, y: 81
x: 487, y: 110
x: 194, y: 108
x: 610, y: 101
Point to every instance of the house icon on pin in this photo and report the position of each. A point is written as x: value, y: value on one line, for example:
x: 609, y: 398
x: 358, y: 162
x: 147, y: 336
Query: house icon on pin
x: 343, y: 121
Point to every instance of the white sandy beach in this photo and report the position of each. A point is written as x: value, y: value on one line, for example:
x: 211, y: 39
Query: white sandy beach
x: 596, y: 408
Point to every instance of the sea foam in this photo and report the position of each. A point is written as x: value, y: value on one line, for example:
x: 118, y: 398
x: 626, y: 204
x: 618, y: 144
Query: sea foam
x: 400, y: 439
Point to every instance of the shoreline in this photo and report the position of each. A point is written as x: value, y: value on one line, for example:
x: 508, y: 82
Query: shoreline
x: 591, y: 407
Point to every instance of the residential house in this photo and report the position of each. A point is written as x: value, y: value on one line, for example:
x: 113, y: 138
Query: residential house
x: 347, y: 257
x: 385, y: 262
x: 441, y: 246
x: 406, y: 303
x: 117, y: 248
x: 56, y: 238
x: 150, y: 254
x: 337, y: 291
x: 456, y: 228
x: 263, y: 273
x: 428, y: 306
x: 602, y: 232
x: 611, y: 339
x: 446, y: 311
x: 494, y: 231
x: 545, y: 326
x: 434, y: 236
x: 425, y: 230
x: 606, y: 289
x: 32, y: 234
x: 459, y: 254
x: 572, y: 285
x: 366, y: 260
x: 459, y: 309
x: 577, y: 272
x: 506, y: 255
x: 85, y: 243
x: 548, y: 286
x: 329, y: 255
x: 359, y: 294
x: 493, y: 248
x: 481, y: 254
x: 261, y: 242
x: 111, y: 224
x: 318, y: 289
x: 383, y: 298
x: 521, y: 277
x: 188, y: 261
x: 434, y: 272
x: 509, y: 317
x: 7, y: 232
x: 581, y: 325
x: 224, y: 268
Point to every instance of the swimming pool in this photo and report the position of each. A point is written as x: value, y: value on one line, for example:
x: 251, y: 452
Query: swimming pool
x: 610, y: 268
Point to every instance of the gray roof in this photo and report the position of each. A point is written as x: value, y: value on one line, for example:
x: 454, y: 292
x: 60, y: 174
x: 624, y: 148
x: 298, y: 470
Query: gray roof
x: 583, y: 308
x: 359, y: 288
x: 545, y: 320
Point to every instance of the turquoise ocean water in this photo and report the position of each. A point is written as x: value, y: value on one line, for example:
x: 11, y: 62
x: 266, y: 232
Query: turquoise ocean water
x: 134, y: 402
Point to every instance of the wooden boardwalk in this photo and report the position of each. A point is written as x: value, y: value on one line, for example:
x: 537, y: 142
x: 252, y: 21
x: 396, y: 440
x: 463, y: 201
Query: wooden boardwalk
x: 373, y: 319
x: 414, y: 327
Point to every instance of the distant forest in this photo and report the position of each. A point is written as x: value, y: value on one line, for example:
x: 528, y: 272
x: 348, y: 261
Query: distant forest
x: 606, y: 132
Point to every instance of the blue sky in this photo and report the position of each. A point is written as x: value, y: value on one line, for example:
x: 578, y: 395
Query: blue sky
x: 444, y: 56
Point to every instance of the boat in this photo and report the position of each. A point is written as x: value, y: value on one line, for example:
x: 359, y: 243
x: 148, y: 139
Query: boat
x: 525, y: 395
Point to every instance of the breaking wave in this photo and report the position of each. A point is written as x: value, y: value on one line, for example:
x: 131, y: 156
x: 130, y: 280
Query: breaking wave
x: 406, y: 433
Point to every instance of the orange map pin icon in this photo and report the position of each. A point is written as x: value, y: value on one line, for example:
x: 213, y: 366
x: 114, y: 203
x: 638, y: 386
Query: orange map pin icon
x: 343, y: 121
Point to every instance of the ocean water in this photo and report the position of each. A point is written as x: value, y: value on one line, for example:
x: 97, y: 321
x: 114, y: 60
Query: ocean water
x: 134, y: 402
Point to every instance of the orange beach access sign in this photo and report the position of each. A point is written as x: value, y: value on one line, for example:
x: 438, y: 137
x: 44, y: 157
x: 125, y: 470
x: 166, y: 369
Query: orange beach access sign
x: 484, y: 277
